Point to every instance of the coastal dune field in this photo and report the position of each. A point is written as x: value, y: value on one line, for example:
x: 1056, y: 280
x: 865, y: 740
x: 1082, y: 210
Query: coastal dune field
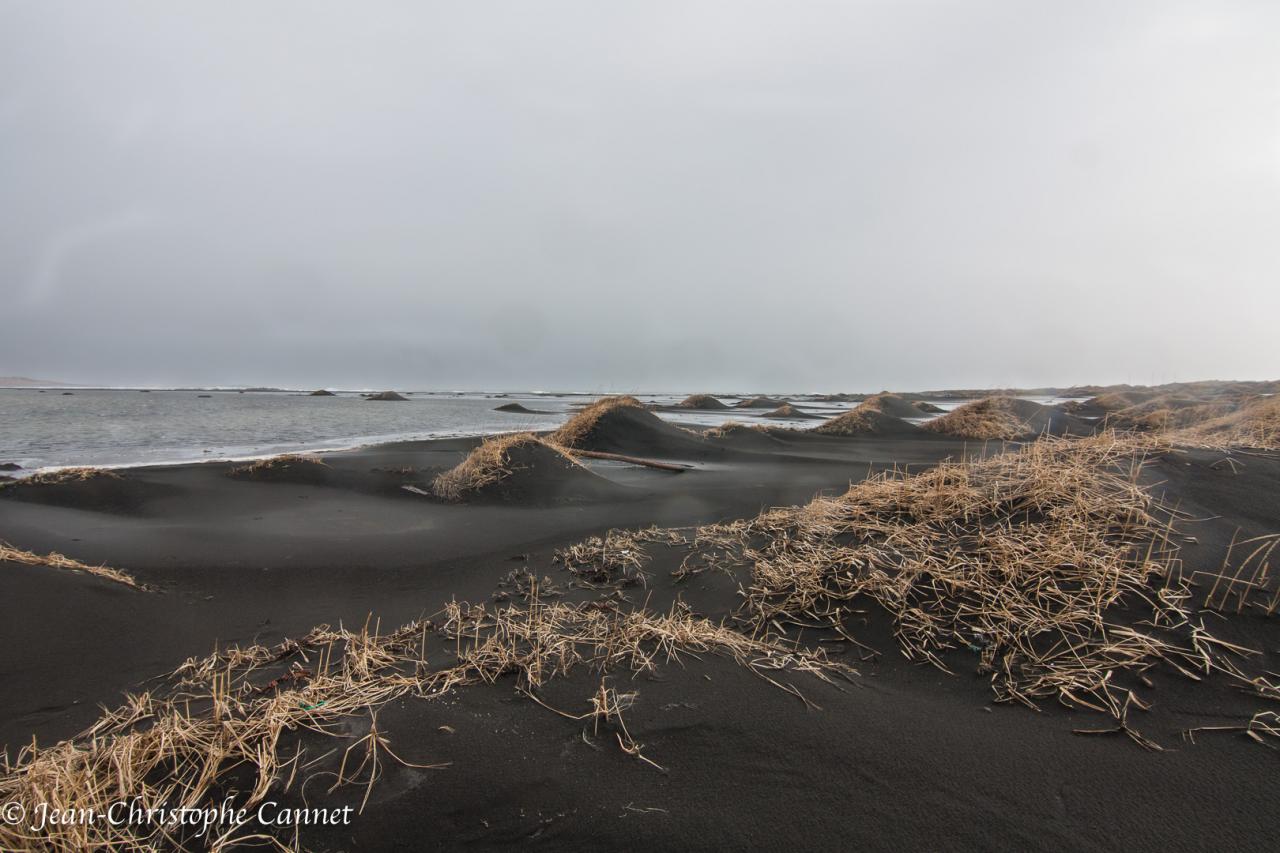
x: 887, y: 621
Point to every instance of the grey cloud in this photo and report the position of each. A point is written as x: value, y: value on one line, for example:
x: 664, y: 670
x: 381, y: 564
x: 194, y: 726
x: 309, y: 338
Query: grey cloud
x: 673, y: 195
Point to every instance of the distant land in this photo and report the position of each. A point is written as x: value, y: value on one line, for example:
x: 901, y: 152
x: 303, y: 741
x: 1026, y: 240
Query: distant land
x: 24, y: 382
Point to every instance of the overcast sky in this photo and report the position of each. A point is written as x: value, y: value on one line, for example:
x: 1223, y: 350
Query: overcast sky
x: 650, y: 195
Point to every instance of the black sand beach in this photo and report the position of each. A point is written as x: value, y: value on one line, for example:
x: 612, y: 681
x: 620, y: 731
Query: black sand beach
x: 903, y: 754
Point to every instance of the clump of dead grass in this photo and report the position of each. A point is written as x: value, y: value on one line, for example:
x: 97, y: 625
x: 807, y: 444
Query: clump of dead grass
x: 491, y: 463
x: 577, y: 429
x: 8, y: 553
x: 617, y: 557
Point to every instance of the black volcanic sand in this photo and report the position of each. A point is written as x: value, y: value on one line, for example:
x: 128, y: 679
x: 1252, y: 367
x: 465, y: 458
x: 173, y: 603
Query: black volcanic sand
x: 905, y: 757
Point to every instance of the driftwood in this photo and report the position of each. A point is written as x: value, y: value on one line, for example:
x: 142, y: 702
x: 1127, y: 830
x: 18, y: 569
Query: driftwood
x: 634, y: 460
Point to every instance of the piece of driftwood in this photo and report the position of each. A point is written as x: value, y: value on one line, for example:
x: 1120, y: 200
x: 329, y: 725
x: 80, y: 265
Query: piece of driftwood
x: 634, y: 460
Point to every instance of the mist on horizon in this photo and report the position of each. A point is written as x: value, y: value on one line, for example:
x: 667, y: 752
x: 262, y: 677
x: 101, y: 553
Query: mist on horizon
x: 670, y: 196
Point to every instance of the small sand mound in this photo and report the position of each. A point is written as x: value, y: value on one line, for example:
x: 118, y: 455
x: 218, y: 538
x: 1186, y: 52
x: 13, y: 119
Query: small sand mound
x: 387, y: 395
x: 867, y: 420
x: 321, y: 392
x: 700, y: 401
x: 760, y: 403
x: 289, y: 468
x: 93, y: 489
x: 516, y: 408
x: 790, y: 412
x: 520, y: 467
x: 892, y: 404
x: 1006, y: 418
x: 928, y: 408
x: 623, y: 425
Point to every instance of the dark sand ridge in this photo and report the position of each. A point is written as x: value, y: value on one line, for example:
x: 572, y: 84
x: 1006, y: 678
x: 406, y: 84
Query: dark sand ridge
x: 389, y: 396
x: 868, y: 420
x: 321, y: 392
x: 910, y: 740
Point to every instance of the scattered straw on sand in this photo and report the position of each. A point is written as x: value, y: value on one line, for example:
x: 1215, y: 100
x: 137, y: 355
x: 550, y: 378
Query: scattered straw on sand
x: 8, y: 553
x: 1025, y: 560
x: 225, y: 716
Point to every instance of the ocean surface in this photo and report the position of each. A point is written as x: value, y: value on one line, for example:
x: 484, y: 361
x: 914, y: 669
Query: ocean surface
x: 61, y: 427
x: 114, y: 427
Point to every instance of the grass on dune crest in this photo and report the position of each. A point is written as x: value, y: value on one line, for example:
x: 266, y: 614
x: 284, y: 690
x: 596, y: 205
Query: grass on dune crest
x: 276, y: 465
x: 578, y: 427
x: 66, y: 475
x: 491, y: 463
x: 993, y: 418
x: 218, y: 725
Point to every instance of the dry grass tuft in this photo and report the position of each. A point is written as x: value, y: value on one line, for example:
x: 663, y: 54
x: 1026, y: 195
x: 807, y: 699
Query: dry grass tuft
x: 8, y: 553
x: 218, y: 726
x: 491, y: 463
x: 579, y: 427
x: 617, y: 557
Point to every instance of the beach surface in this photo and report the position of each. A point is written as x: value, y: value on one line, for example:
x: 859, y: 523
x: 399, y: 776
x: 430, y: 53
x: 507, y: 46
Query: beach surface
x: 902, y: 755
